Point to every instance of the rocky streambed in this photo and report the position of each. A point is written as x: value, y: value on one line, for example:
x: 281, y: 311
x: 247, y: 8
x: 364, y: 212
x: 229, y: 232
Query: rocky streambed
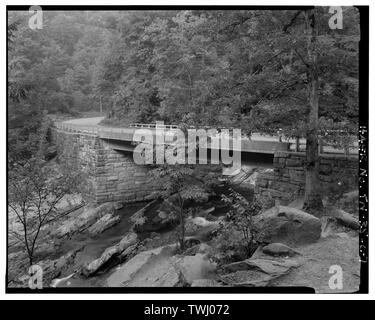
x: 135, y: 246
x: 69, y: 244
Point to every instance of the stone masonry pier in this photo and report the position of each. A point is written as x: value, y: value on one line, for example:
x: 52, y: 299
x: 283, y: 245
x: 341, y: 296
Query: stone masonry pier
x: 110, y: 175
x: 287, y: 180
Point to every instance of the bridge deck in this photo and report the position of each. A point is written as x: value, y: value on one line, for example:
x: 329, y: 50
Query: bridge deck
x: 120, y: 138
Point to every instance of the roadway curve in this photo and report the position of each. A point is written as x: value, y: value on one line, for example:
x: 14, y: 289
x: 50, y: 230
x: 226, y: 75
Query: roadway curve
x: 85, y: 121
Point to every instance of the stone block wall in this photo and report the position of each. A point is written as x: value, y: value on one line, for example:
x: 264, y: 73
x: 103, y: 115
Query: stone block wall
x: 287, y: 181
x: 78, y: 152
x: 118, y: 178
x: 109, y: 175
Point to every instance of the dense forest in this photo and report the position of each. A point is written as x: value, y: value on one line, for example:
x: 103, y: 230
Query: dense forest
x: 244, y: 68
x: 276, y: 72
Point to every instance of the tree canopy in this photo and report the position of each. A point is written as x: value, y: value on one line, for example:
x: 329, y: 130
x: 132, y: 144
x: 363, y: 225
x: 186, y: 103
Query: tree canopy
x: 240, y: 66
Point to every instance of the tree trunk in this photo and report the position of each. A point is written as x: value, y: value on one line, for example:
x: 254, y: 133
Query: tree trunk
x: 182, y: 244
x: 30, y: 253
x: 313, y: 201
x: 182, y: 224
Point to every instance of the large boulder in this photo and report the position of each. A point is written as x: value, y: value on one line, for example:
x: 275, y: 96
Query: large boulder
x: 349, y: 202
x: 118, y: 252
x: 83, y: 221
x: 288, y: 226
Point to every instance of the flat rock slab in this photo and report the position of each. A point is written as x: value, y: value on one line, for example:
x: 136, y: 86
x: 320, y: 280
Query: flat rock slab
x: 279, y: 249
x: 151, y: 268
x: 257, y: 272
x: 128, y: 242
x: 161, y: 268
x: 104, y: 223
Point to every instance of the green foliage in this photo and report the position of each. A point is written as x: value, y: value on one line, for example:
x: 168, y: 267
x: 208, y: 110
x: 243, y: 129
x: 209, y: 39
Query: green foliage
x: 241, y: 218
x: 35, y: 190
x: 52, y: 67
x: 187, y: 184
x: 49, y: 71
x: 231, y: 68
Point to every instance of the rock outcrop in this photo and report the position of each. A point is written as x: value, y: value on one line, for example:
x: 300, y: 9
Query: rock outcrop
x: 279, y: 249
x: 205, y: 283
x: 83, y: 221
x: 200, y: 228
x: 287, y: 225
x: 104, y: 223
x: 344, y: 218
x: 118, y: 252
x: 161, y: 268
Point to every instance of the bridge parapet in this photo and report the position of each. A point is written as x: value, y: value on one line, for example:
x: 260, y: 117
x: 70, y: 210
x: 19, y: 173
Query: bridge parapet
x: 257, y: 143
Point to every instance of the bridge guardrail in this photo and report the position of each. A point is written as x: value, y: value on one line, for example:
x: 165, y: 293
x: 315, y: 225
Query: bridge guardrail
x: 293, y: 145
x: 153, y: 125
x: 72, y: 127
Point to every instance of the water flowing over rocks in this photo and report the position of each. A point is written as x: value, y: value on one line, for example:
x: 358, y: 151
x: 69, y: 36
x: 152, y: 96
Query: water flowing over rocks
x: 155, y: 216
x: 200, y: 228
